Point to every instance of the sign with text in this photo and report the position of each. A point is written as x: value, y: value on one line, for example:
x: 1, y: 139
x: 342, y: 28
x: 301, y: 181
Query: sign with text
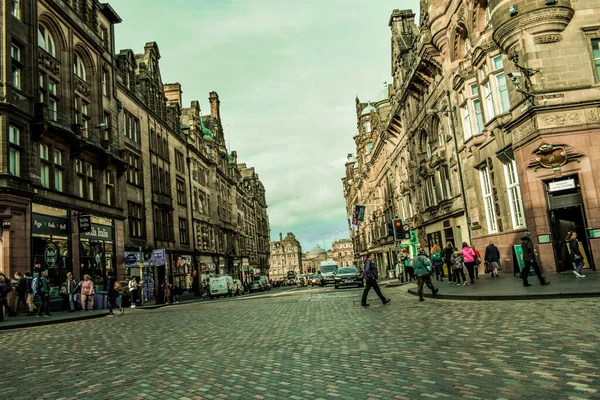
x: 85, y: 223
x: 132, y: 259
x: 99, y: 232
x: 159, y: 258
x: 51, y: 255
x: 561, y: 185
x: 48, y: 225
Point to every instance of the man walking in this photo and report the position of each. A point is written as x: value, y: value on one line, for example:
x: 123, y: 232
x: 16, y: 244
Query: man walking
x: 422, y: 266
x: 21, y: 291
x: 29, y: 291
x: 113, y: 287
x: 370, y: 274
x: 530, y: 261
x: 41, y: 287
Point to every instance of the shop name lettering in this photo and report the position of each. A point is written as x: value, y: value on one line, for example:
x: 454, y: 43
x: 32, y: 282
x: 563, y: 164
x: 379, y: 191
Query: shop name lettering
x: 46, y: 224
x: 97, y: 232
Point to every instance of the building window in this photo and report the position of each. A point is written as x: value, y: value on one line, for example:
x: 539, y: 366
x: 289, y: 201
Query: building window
x: 107, y: 124
x: 14, y: 157
x: 16, y: 9
x: 440, y: 134
x: 84, y: 183
x: 109, y: 182
x: 476, y: 104
x: 45, y: 40
x: 163, y: 225
x: 179, y: 162
x: 367, y: 125
x: 488, y: 200
x: 183, y: 231
x: 45, y: 166
x: 135, y: 218
x: 82, y: 116
x: 466, y: 120
x: 105, y: 82
x: 596, y: 53
x: 130, y: 127
x: 58, y: 171
x: 444, y: 178
x: 514, y: 195
x: 15, y: 53
x: 48, y: 95
x: 180, y: 187
x: 134, y: 169
x: 79, y: 67
x: 502, y: 92
x: 105, y: 37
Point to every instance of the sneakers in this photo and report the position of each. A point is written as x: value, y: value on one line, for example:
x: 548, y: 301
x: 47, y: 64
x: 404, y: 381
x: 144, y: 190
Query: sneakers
x: 577, y: 274
x: 133, y: 306
x: 110, y: 315
x: 582, y: 276
x: 465, y: 284
x: 459, y: 284
x: 121, y: 310
x: 386, y: 301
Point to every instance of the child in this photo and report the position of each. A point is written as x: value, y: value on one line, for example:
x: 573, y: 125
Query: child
x: 457, y: 266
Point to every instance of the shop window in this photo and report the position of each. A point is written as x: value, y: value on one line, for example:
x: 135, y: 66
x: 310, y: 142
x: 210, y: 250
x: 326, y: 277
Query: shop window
x: 136, y: 219
x: 514, y: 195
x: 183, y: 231
x: 181, y: 196
x: 488, y: 199
x: 46, y: 41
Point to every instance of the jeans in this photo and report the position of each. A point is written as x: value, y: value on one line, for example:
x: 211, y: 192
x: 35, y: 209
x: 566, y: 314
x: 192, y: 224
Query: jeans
x: 371, y: 283
x: 579, y: 266
x: 112, y: 303
x: 44, y: 304
x: 471, y: 269
x: 132, y: 296
x: 410, y: 274
x: 439, y: 271
x: 450, y: 271
x: 458, y: 273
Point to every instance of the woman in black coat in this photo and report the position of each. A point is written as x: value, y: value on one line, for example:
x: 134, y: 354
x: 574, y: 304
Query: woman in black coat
x: 492, y: 257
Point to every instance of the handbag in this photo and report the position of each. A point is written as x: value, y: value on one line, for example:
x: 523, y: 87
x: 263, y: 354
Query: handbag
x: 487, y: 268
x: 477, y: 261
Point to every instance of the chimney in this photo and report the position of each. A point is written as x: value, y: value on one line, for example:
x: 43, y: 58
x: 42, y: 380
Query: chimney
x: 280, y: 236
x: 214, y: 105
x: 173, y: 93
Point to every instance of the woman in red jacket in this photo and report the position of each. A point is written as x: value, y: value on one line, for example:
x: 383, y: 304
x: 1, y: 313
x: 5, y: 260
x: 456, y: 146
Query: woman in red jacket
x: 469, y: 256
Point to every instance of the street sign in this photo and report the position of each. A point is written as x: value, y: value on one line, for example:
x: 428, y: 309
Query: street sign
x: 158, y: 257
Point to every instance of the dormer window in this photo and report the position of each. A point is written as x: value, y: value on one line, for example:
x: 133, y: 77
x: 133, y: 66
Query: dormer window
x: 79, y: 67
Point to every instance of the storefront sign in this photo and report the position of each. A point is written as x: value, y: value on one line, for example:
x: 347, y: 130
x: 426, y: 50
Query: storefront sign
x: 543, y: 239
x: 48, y: 225
x: 594, y: 233
x: 158, y: 257
x: 184, y: 261
x: 85, y: 223
x: 132, y: 259
x: 51, y: 255
x: 561, y: 185
x: 99, y: 232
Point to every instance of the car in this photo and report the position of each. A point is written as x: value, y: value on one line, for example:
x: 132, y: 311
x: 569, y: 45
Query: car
x: 348, y: 276
x: 256, y: 286
x: 303, y: 281
x: 238, y: 287
x: 263, y: 281
x: 221, y: 286
x: 315, y: 280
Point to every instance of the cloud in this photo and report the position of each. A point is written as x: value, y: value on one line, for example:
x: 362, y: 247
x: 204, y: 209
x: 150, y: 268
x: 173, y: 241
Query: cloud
x: 287, y: 75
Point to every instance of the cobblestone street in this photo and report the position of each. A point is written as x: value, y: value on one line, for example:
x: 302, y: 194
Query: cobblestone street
x: 314, y: 344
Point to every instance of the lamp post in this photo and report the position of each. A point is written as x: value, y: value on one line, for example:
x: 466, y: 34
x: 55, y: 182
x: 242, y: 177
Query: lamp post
x: 451, y: 110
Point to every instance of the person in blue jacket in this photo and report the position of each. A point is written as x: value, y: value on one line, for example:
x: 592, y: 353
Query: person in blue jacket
x: 423, y: 269
x: 370, y: 274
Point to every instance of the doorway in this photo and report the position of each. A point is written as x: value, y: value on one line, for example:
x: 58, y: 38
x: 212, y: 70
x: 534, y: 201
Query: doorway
x: 567, y: 214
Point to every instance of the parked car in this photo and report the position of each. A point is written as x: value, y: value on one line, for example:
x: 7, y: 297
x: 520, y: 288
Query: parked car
x: 263, y: 281
x: 303, y: 281
x: 256, y: 286
x: 221, y: 286
x: 348, y: 276
x: 238, y: 287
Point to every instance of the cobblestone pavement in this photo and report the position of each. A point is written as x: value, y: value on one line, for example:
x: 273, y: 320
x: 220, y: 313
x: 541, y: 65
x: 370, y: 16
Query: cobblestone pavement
x: 314, y: 345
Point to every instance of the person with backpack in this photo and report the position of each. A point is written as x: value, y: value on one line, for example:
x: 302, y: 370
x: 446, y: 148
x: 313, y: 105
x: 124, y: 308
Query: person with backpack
x: 5, y: 289
x: 423, y: 271
x: 438, y: 262
x: 41, y: 287
x: 448, y: 250
x: 577, y: 258
x: 21, y: 291
x: 29, y: 292
x: 458, y: 262
x: 113, y: 290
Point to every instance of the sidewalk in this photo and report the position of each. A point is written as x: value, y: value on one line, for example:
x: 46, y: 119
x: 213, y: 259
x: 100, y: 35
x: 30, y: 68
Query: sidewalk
x: 507, y: 287
x: 26, y: 321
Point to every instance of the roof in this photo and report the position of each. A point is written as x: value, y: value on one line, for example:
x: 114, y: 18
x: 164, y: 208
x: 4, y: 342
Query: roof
x: 368, y: 109
x: 384, y: 94
x: 317, y: 250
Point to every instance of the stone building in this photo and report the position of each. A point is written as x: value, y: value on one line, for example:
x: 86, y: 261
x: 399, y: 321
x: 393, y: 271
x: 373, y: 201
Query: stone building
x: 286, y: 255
x: 494, y: 105
x: 343, y: 252
x: 95, y: 140
x: 311, y: 261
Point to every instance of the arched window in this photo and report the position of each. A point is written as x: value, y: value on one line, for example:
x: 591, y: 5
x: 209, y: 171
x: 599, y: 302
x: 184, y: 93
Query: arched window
x: 79, y: 67
x: 437, y: 126
x: 46, y: 41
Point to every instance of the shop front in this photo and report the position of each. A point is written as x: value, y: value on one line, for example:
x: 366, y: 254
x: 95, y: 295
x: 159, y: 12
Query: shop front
x: 97, y: 252
x: 50, y: 244
x: 182, y: 272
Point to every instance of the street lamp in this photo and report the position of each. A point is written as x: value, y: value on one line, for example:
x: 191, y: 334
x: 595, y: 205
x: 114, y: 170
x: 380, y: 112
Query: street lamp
x: 451, y: 110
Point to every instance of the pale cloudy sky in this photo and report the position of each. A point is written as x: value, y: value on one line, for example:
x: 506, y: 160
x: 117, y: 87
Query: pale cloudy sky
x: 287, y: 73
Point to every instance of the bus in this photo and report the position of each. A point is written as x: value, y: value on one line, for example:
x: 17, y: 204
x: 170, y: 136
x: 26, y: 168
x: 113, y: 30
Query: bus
x: 291, y: 275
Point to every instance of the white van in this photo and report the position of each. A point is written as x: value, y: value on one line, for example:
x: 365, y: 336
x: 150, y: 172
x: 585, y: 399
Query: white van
x: 221, y: 286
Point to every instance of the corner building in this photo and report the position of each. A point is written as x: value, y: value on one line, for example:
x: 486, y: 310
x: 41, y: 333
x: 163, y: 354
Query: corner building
x: 494, y: 105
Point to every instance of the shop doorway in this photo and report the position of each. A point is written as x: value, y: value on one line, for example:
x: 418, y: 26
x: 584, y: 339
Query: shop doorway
x: 567, y: 213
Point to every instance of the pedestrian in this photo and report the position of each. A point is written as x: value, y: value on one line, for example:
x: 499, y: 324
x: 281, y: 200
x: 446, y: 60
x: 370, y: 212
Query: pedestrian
x: 469, y: 260
x: 113, y: 291
x: 423, y: 270
x: 477, y: 262
x: 492, y: 258
x: 399, y: 271
x: 174, y: 293
x: 133, y: 287
x: 167, y: 291
x: 41, y: 287
x: 529, y: 258
x: 577, y: 258
x: 87, y: 293
x: 67, y: 292
x: 5, y: 289
x: 448, y: 250
x: 30, y: 294
x: 21, y: 291
x: 437, y: 261
x: 370, y: 274
x: 458, y: 263
x: 408, y: 269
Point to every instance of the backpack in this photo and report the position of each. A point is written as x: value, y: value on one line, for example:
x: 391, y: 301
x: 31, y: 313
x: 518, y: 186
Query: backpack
x: 437, y: 256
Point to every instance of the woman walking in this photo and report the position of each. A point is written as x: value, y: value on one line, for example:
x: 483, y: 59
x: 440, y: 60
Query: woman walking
x: 87, y: 293
x: 492, y: 257
x: 457, y: 261
x: 469, y: 257
x: 575, y: 252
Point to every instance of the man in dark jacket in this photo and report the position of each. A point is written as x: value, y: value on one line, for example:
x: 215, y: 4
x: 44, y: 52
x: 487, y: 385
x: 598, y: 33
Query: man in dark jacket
x: 5, y: 288
x: 21, y: 291
x: 42, y: 289
x: 530, y: 261
x: 112, y: 294
x: 492, y: 258
x: 370, y: 274
x: 448, y: 250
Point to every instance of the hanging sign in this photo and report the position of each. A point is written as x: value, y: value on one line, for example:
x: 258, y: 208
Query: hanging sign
x: 85, y: 223
x: 158, y: 257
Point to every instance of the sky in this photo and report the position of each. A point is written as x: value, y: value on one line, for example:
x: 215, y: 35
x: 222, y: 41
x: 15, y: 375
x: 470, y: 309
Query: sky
x: 287, y: 74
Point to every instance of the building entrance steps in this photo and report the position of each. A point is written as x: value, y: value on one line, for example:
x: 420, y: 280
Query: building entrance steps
x: 508, y: 287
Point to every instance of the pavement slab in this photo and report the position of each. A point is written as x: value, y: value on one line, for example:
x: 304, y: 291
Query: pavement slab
x: 312, y: 345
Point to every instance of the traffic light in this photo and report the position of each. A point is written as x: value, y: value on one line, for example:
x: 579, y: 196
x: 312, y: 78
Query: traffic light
x: 406, y: 233
x: 390, y: 229
x: 397, y: 228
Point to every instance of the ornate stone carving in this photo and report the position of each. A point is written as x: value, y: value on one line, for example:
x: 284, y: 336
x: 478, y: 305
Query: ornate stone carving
x: 82, y: 87
x: 553, y: 156
x: 560, y: 119
x: 592, y: 115
x: 523, y: 130
x: 48, y: 62
x: 550, y: 38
